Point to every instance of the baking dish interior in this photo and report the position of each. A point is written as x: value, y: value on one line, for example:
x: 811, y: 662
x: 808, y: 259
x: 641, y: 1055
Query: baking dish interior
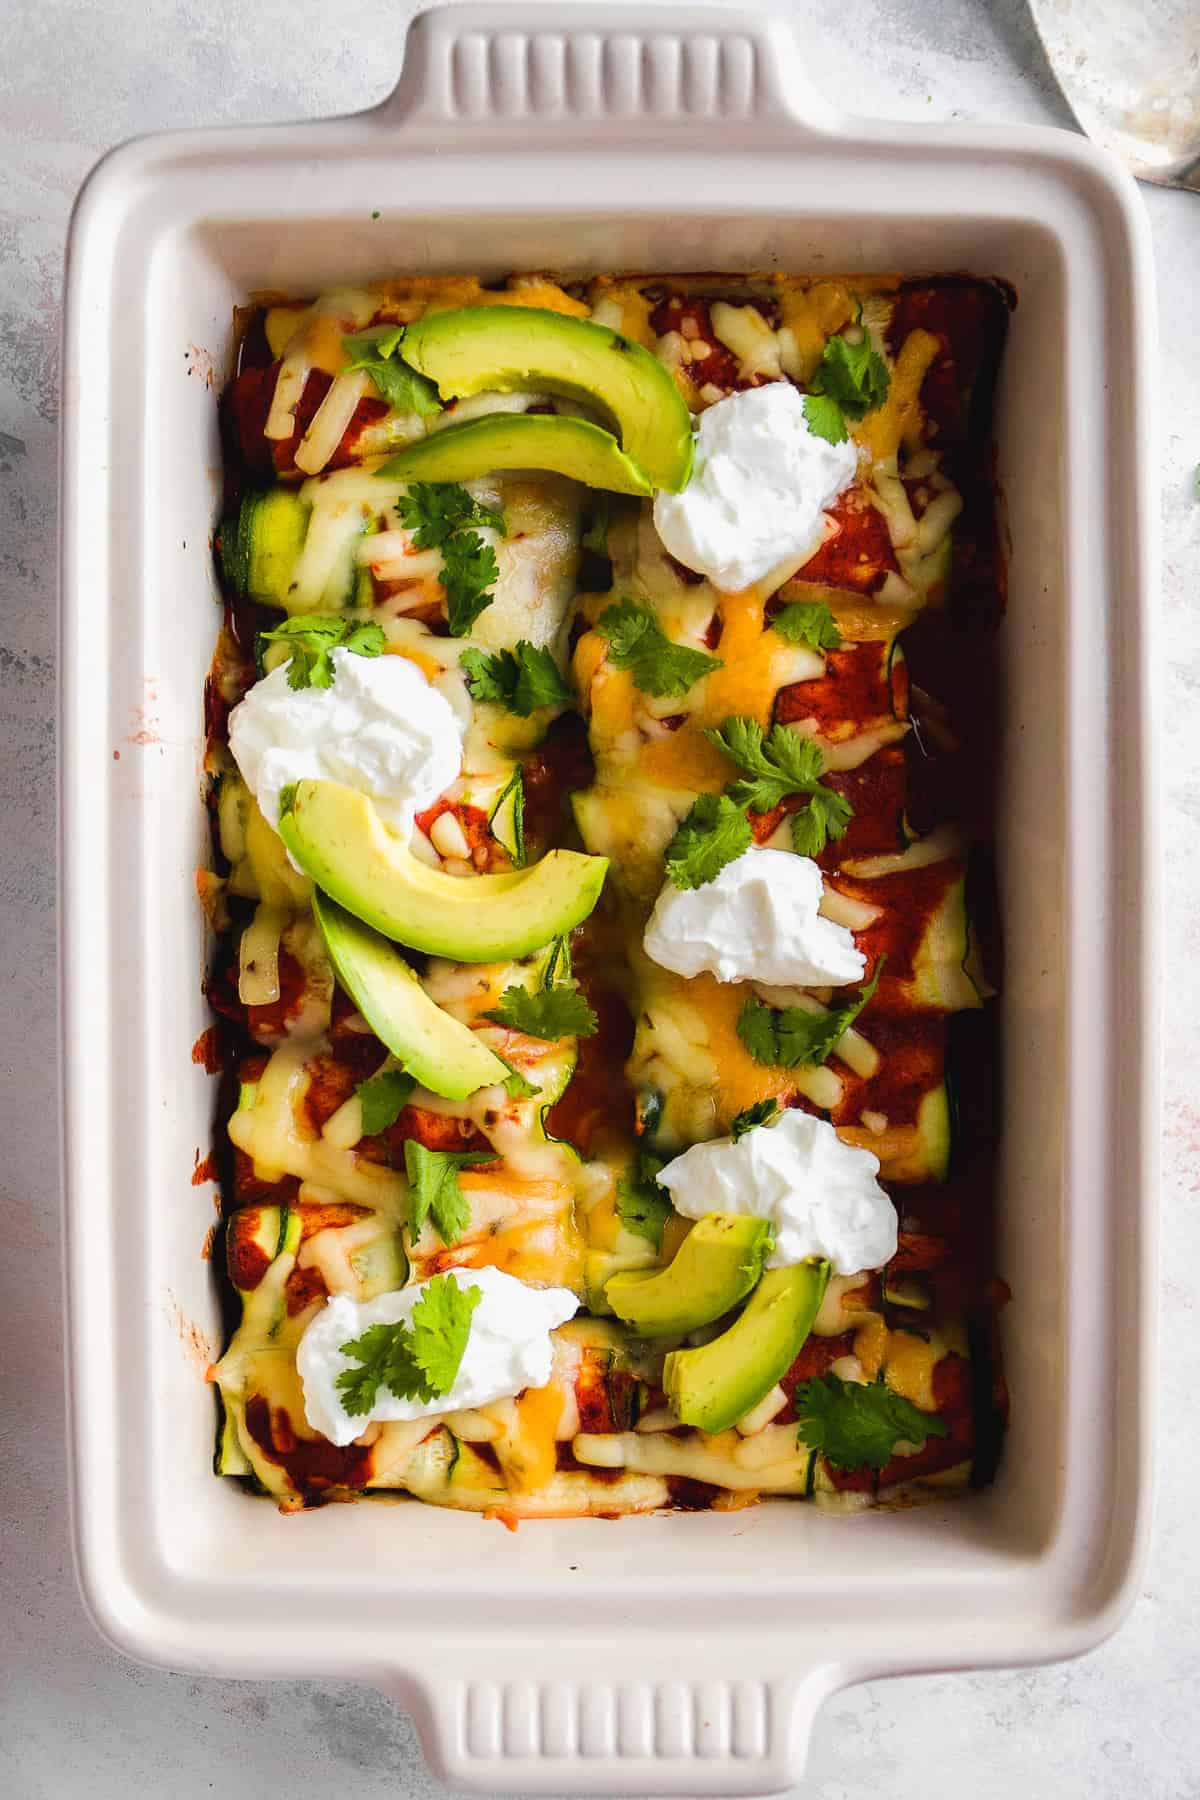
x: 1020, y: 1515
x: 222, y: 1554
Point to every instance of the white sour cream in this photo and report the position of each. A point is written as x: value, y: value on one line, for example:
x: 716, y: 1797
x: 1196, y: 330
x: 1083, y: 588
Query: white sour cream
x: 381, y: 728
x: 758, y: 491
x: 757, y: 921
x: 820, y: 1195
x: 508, y: 1350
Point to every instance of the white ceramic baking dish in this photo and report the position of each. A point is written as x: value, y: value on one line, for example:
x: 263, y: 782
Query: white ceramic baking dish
x: 680, y: 1654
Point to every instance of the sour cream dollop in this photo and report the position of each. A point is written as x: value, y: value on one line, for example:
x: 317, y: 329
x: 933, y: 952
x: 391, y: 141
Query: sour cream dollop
x: 758, y: 491
x: 508, y: 1350
x: 820, y: 1195
x: 757, y: 921
x: 380, y: 728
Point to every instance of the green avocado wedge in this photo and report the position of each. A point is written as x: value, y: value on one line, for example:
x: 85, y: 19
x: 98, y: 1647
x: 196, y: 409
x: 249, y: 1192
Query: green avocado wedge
x: 445, y: 1055
x: 521, y: 441
x: 715, y: 1385
x: 507, y: 349
x: 717, y: 1264
x: 338, y: 838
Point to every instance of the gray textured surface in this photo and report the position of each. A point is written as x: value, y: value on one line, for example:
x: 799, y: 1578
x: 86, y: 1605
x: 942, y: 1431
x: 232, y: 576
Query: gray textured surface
x: 76, y: 1719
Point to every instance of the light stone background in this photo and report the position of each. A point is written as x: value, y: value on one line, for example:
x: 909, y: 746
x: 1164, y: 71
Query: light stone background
x: 76, y: 1719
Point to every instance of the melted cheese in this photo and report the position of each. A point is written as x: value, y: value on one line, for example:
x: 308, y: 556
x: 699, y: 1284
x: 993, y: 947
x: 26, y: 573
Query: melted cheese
x: 330, y: 1253
x: 690, y: 1026
x: 623, y: 307
x: 756, y: 663
x: 258, y: 957
x: 685, y: 759
x: 524, y: 1228
x: 812, y: 313
x: 911, y: 1361
x: 898, y: 420
x: 527, y: 1444
x: 270, y: 1134
x: 842, y: 1306
x: 698, y: 1457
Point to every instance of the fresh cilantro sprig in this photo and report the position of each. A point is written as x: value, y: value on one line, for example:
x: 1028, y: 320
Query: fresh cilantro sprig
x: 433, y: 1188
x: 855, y: 375
x: 383, y: 1098
x: 716, y: 831
x: 554, y: 1012
x: 404, y: 390
x: 643, y: 1207
x: 518, y: 1086
x: 436, y: 511
x: 556, y: 1009
x: 415, y: 1361
x: 808, y: 622
x: 313, y: 637
x: 637, y: 642
x: 773, y: 769
x: 856, y: 1424
x: 469, y: 575
x: 784, y: 1037
x: 825, y: 418
x: 851, y: 380
x: 521, y: 680
x: 761, y: 1113
x: 440, y: 515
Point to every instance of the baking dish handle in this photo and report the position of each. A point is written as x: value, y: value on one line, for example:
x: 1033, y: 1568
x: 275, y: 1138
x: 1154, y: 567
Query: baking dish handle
x: 569, y: 1724
x: 602, y: 70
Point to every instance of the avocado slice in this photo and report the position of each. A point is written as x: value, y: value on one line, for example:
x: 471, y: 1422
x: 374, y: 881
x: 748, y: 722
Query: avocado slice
x: 506, y: 349
x: 715, y: 1385
x: 445, y: 1055
x: 717, y: 1264
x: 338, y: 838
x: 521, y: 441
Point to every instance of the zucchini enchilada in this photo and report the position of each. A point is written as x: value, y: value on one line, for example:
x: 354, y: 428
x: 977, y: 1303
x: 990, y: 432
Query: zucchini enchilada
x: 600, y: 750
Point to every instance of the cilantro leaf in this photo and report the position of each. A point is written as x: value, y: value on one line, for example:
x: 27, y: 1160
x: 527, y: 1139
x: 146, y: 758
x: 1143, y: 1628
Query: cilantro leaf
x: 783, y: 1037
x: 385, y: 1353
x: 522, y: 679
x: 469, y: 574
x: 857, y: 1424
x: 826, y: 816
x: 517, y: 1086
x: 777, y: 766
x: 761, y: 1113
x: 434, y: 510
x: 433, y: 1190
x: 404, y: 390
x: 808, y: 622
x: 363, y: 347
x: 439, y: 514
x: 716, y: 831
x: 825, y: 418
x: 556, y: 1011
x: 417, y: 1361
x: 383, y: 1098
x: 312, y: 639
x: 643, y: 1207
x: 782, y: 763
x: 637, y: 642
x: 855, y: 376
x: 441, y: 1325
